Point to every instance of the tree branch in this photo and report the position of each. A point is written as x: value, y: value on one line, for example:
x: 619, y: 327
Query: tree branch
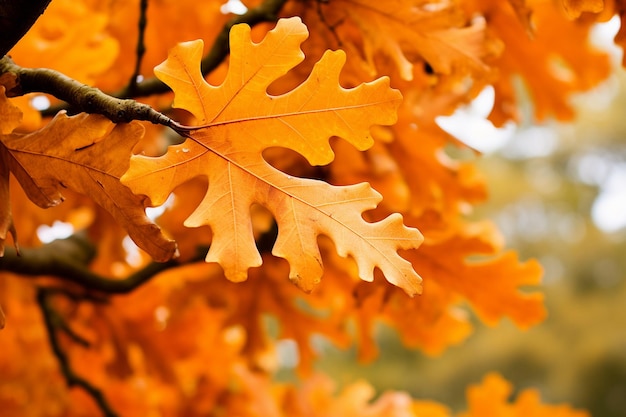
x: 16, y: 18
x: 19, y: 81
x: 67, y: 260
x: 53, y: 321
x: 118, y: 107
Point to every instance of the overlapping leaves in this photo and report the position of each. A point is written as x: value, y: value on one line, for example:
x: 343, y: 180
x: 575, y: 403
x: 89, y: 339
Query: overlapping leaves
x: 239, y: 121
x: 163, y: 339
x: 89, y: 156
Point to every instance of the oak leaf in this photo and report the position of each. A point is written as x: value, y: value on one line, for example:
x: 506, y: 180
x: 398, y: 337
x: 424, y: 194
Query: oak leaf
x: 11, y: 118
x: 574, y: 8
x: 407, y: 33
x: 160, y: 34
x: 87, y: 154
x: 468, y: 261
x: 240, y: 120
x: 550, y: 66
x: 491, y: 398
x: 81, y: 49
x: 436, y: 181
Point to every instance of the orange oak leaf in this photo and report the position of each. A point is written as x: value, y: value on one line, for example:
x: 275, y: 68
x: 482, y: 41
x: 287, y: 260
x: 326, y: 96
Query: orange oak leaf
x: 11, y: 118
x: 524, y: 14
x: 407, y: 32
x: 617, y: 7
x: 248, y: 305
x: 241, y: 120
x: 436, y: 181
x: 551, y: 68
x: 317, y: 396
x: 87, y: 154
x: 474, y: 268
x: 574, y: 8
x: 81, y: 49
x: 491, y: 399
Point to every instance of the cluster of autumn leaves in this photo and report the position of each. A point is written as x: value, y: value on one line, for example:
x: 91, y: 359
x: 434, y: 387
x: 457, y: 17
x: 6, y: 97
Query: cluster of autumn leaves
x: 265, y: 163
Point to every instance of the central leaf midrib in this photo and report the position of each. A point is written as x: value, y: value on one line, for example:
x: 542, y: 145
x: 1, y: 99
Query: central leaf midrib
x: 296, y: 198
x: 290, y: 114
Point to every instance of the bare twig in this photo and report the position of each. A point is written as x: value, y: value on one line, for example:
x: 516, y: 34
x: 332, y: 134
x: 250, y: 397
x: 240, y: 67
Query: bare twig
x: 59, y: 322
x: 141, y: 47
x: 53, y: 321
x: 265, y: 12
x: 332, y: 28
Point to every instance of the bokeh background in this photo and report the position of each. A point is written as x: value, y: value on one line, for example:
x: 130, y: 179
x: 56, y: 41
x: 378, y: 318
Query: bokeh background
x: 558, y: 193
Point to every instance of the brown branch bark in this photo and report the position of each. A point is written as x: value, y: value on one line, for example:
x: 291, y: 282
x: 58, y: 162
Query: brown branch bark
x: 19, y: 81
x: 16, y: 18
x: 68, y: 260
x: 119, y: 108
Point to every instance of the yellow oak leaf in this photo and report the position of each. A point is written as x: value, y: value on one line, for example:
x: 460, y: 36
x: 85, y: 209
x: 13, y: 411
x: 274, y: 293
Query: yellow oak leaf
x: 87, y: 154
x: 240, y: 120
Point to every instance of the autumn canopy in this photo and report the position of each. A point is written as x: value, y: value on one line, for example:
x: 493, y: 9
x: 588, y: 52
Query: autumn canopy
x: 216, y: 169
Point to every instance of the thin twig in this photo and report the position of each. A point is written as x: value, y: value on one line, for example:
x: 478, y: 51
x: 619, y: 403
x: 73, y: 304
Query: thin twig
x: 265, y: 12
x: 331, y: 28
x: 141, y: 46
x: 51, y: 321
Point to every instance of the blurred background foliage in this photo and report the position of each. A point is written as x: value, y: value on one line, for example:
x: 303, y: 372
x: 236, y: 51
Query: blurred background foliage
x: 558, y: 193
